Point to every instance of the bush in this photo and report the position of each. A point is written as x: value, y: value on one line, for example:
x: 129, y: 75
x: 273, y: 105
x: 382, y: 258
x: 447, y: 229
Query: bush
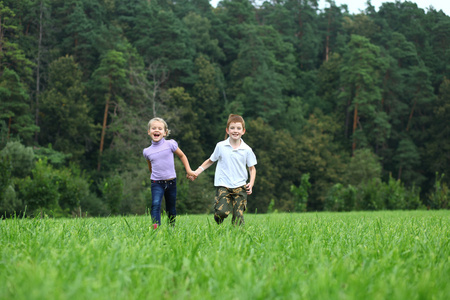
x: 413, y: 200
x: 363, y: 168
x: 21, y: 158
x: 40, y: 191
x: 396, y: 196
x: 369, y: 196
x: 439, y: 198
x: 112, y: 193
x: 5, y: 175
x: 301, y: 193
x: 53, y: 192
x: 373, y: 195
x: 73, y: 186
x: 9, y: 203
x: 91, y: 205
x: 134, y: 200
x: 55, y: 158
x: 341, y: 198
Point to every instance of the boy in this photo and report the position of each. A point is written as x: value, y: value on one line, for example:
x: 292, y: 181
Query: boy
x: 233, y: 155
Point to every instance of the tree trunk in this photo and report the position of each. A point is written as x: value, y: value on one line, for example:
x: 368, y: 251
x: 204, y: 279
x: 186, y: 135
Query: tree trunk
x: 411, y: 115
x: 105, y: 118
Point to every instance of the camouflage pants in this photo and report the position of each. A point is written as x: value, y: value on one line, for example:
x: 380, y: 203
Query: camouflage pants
x: 230, y: 201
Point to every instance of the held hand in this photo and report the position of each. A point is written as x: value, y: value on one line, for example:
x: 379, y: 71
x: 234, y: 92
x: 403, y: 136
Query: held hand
x: 191, y: 177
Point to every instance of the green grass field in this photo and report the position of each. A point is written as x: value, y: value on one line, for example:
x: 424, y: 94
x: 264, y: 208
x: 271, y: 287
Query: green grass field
x: 358, y: 255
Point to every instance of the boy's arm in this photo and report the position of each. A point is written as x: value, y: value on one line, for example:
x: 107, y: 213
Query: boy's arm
x: 149, y: 166
x: 185, y: 161
x: 205, y: 165
x: 252, y: 171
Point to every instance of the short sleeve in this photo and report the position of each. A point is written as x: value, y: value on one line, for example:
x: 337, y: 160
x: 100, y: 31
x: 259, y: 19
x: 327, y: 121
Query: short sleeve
x: 173, y: 145
x: 144, y: 153
x: 251, y: 159
x: 216, y: 154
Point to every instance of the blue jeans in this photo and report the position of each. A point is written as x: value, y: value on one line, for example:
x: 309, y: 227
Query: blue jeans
x: 168, y: 189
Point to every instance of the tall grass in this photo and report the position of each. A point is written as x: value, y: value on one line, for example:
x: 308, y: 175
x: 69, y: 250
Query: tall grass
x: 376, y: 255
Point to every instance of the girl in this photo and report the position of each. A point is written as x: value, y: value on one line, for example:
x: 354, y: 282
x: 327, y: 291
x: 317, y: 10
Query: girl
x: 161, y: 164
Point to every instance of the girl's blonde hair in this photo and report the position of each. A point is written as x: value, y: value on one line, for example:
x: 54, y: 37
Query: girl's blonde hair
x: 166, y: 128
x: 235, y: 119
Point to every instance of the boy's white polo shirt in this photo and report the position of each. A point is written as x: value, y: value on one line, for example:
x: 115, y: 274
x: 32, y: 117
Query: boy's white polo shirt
x: 231, y: 170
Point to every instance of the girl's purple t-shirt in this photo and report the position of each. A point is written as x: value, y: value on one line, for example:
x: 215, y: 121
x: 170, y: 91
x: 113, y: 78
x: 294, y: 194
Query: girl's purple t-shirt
x: 160, y: 154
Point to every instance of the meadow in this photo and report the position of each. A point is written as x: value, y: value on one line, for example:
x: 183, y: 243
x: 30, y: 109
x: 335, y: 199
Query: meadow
x: 356, y: 255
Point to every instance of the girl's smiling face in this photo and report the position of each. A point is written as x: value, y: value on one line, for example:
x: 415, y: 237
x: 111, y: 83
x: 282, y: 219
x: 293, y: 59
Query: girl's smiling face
x: 157, y: 131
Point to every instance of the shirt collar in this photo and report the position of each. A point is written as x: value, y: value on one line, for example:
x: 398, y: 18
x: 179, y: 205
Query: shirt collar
x: 160, y: 142
x: 243, y: 145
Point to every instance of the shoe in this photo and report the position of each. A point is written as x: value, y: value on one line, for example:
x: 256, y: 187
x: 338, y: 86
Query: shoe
x: 155, y: 226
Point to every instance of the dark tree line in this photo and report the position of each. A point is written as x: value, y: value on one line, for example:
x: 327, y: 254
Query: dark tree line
x: 343, y: 111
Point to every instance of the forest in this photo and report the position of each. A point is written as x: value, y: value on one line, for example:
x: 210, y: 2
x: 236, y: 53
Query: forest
x: 343, y: 111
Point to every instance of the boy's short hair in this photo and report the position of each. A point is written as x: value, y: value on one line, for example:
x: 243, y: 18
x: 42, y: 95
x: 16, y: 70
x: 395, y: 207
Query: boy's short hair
x: 235, y: 119
x: 166, y: 128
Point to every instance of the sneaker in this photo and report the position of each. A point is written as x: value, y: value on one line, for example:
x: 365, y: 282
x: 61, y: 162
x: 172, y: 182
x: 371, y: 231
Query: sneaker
x: 155, y: 226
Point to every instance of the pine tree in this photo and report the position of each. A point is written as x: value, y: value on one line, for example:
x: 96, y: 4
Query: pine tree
x: 361, y: 73
x: 65, y: 111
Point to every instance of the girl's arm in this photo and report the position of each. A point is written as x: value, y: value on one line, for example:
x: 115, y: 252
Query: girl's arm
x: 205, y: 165
x: 252, y: 171
x: 149, y: 166
x: 185, y: 162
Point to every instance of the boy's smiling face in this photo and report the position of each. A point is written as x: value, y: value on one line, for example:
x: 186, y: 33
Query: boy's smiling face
x: 235, y: 130
x: 157, y: 131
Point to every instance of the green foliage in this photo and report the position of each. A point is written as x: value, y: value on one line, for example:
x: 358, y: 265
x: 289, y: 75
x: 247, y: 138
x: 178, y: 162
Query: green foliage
x: 65, y: 111
x: 200, y: 33
x: 209, y: 109
x: 20, y: 157
x: 73, y: 186
x: 437, y: 150
x: 3, y: 134
x: 369, y: 196
x: 56, y: 192
x: 195, y: 197
x: 373, y: 194
x: 277, y: 169
x: 270, y: 208
x: 14, y: 107
x: 397, y: 196
x: 55, y: 158
x: 362, y: 68
x: 184, y: 120
x: 5, y: 172
x: 340, y: 198
x: 112, y: 193
x: 41, y: 190
x: 314, y: 86
x: 439, y: 198
x: 363, y: 167
x: 301, y: 193
x: 320, y: 156
x: 8, y: 200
